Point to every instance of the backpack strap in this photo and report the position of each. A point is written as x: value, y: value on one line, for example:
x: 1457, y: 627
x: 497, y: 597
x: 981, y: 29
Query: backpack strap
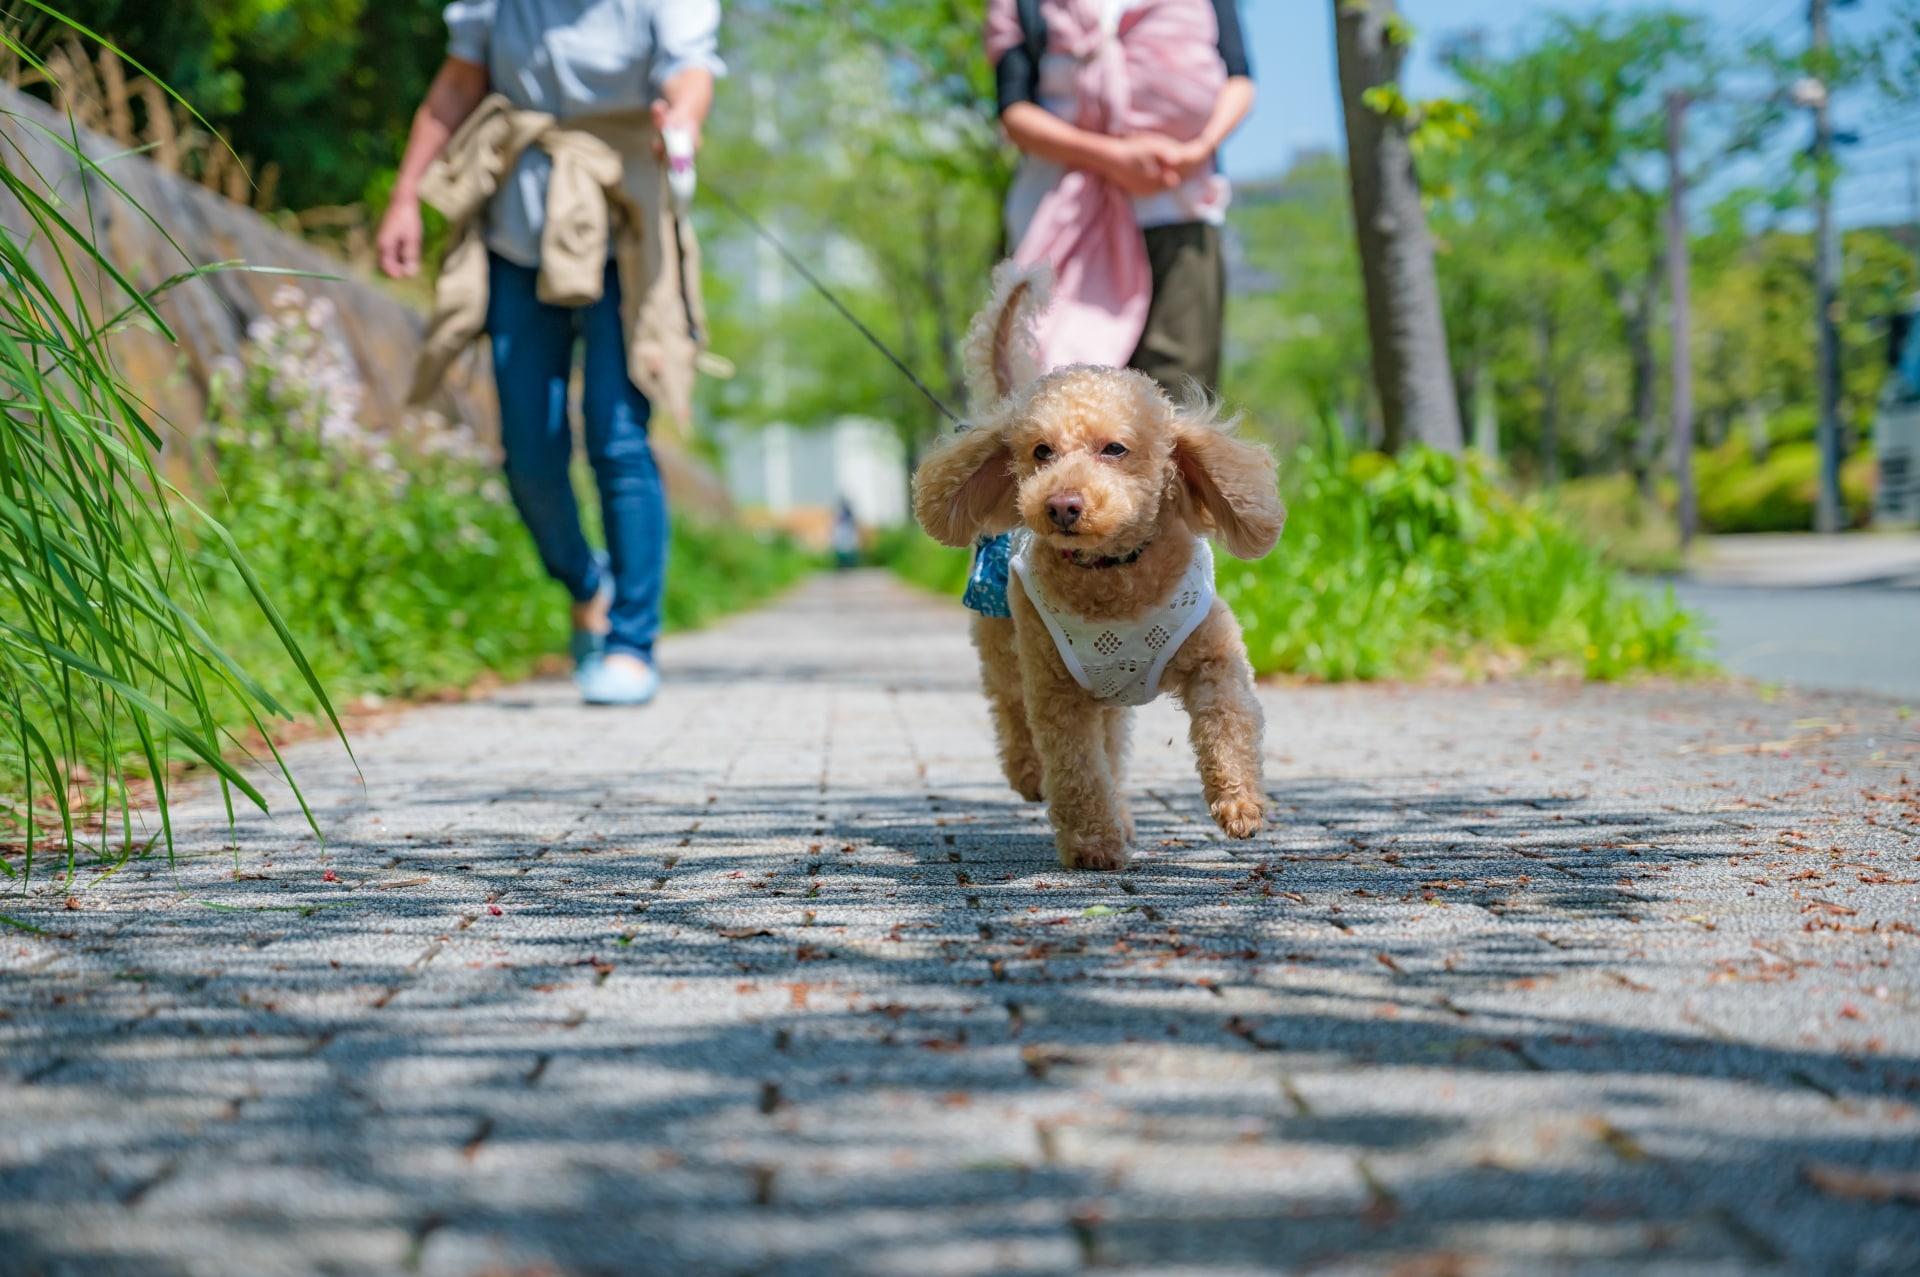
x: 1034, y: 27
x: 1017, y: 75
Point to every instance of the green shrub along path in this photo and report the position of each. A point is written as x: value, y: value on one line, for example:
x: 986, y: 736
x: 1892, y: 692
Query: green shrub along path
x: 399, y: 559
x: 777, y: 976
x: 1393, y: 568
x: 396, y: 563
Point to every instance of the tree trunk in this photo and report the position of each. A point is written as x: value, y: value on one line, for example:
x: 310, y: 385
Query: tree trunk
x: 1410, y: 362
x: 1645, y: 383
x: 1549, y: 402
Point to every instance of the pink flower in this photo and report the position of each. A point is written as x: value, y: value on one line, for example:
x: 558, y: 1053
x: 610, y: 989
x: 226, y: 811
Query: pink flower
x: 329, y: 876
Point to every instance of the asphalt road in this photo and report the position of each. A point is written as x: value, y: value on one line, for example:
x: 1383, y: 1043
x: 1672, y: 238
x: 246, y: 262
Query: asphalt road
x: 1836, y: 638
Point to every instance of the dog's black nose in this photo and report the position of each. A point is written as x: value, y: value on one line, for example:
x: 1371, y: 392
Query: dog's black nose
x: 1064, y: 509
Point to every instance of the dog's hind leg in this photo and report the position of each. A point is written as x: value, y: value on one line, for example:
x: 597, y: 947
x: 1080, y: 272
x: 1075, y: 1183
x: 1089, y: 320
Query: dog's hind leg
x: 1000, y: 675
x: 1216, y: 685
x: 1118, y: 720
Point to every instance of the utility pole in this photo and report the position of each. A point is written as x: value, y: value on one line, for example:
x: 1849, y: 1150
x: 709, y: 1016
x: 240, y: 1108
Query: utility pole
x: 1828, y: 511
x: 1913, y: 207
x: 1679, y: 288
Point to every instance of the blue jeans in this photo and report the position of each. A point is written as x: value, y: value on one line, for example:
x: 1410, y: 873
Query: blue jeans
x: 533, y: 347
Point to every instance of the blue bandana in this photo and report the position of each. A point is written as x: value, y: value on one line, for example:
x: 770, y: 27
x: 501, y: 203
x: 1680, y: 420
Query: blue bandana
x: 987, y: 583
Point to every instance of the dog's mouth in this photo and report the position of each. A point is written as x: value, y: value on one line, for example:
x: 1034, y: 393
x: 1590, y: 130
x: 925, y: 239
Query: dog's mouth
x: 1079, y: 539
x: 1085, y: 545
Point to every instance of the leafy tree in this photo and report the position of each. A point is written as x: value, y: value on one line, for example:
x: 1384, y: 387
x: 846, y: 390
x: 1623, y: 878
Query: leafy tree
x: 1571, y: 139
x: 865, y: 138
x: 1522, y: 324
x: 323, y: 88
x: 1297, y: 337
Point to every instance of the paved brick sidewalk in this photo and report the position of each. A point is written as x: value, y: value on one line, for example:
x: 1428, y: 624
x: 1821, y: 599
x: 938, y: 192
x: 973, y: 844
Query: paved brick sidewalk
x: 776, y: 977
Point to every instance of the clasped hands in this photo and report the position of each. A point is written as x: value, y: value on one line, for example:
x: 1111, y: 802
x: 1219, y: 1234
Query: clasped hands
x: 1148, y: 163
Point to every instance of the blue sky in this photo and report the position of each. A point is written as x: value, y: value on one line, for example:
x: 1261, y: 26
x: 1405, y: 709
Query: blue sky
x: 1292, y: 47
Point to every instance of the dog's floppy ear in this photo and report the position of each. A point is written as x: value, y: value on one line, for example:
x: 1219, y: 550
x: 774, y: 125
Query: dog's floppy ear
x: 1002, y: 354
x: 1228, y: 485
x: 965, y: 488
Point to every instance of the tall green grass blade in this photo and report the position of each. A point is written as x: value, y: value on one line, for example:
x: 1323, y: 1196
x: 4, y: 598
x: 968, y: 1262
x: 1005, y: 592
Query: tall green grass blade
x: 208, y: 751
x: 109, y: 669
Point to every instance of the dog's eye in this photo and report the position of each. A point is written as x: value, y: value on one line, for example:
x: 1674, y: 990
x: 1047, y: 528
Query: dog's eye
x: 1043, y: 453
x: 1114, y: 450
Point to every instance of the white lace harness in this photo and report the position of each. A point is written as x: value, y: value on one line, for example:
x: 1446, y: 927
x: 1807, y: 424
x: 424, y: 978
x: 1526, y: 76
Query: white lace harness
x: 1121, y: 662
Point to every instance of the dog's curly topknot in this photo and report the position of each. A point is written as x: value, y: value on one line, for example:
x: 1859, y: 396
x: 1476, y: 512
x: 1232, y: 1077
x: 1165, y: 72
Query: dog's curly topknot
x: 1001, y: 354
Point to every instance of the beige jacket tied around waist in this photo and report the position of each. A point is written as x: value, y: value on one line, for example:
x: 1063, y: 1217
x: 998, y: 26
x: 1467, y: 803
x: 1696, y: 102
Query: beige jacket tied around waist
x: 605, y: 182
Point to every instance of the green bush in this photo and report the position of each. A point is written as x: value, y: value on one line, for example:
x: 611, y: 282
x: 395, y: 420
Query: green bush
x: 920, y: 559
x: 1629, y: 530
x: 717, y: 568
x: 1391, y: 567
x: 1795, y: 423
x: 1738, y: 494
x: 395, y: 561
x: 398, y: 559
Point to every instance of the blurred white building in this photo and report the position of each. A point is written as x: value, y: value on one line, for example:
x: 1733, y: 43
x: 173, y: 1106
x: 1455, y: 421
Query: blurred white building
x: 799, y: 477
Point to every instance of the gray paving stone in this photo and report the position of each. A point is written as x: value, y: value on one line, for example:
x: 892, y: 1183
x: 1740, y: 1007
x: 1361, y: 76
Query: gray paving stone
x: 777, y: 977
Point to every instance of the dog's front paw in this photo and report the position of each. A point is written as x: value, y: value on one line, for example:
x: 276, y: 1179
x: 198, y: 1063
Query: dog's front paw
x: 1240, y: 817
x: 1099, y: 853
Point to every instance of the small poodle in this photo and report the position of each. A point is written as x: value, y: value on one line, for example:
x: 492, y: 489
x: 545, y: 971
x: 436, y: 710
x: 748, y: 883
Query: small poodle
x: 1109, y: 489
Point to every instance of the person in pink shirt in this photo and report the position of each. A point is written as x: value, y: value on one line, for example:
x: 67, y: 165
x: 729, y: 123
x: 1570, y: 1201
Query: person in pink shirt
x: 1119, y: 108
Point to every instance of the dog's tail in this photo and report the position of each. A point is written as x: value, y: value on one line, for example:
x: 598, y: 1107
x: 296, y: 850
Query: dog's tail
x: 1001, y: 352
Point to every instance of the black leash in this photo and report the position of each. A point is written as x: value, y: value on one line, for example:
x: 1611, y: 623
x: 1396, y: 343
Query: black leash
x: 754, y: 225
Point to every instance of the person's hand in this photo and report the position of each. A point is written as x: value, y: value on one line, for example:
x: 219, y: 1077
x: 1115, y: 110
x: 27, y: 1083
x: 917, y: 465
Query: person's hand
x: 1136, y: 165
x: 1183, y: 159
x: 666, y: 116
x: 400, y: 236
x: 1191, y: 159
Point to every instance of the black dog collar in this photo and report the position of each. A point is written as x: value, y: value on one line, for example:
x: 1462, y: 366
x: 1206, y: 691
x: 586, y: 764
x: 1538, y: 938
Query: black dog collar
x: 1105, y: 560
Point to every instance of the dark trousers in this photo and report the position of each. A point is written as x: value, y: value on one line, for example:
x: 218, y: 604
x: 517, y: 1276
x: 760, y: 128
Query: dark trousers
x: 1182, y: 338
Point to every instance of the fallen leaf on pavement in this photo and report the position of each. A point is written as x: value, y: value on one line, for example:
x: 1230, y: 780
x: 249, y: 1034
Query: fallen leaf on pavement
x: 1870, y: 1186
x: 1827, y: 906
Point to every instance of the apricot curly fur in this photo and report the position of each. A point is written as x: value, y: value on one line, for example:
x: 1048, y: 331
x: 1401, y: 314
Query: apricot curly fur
x: 1179, y: 473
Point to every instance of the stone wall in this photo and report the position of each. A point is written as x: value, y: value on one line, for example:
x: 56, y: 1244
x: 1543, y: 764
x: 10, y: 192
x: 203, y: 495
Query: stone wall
x: 157, y: 225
